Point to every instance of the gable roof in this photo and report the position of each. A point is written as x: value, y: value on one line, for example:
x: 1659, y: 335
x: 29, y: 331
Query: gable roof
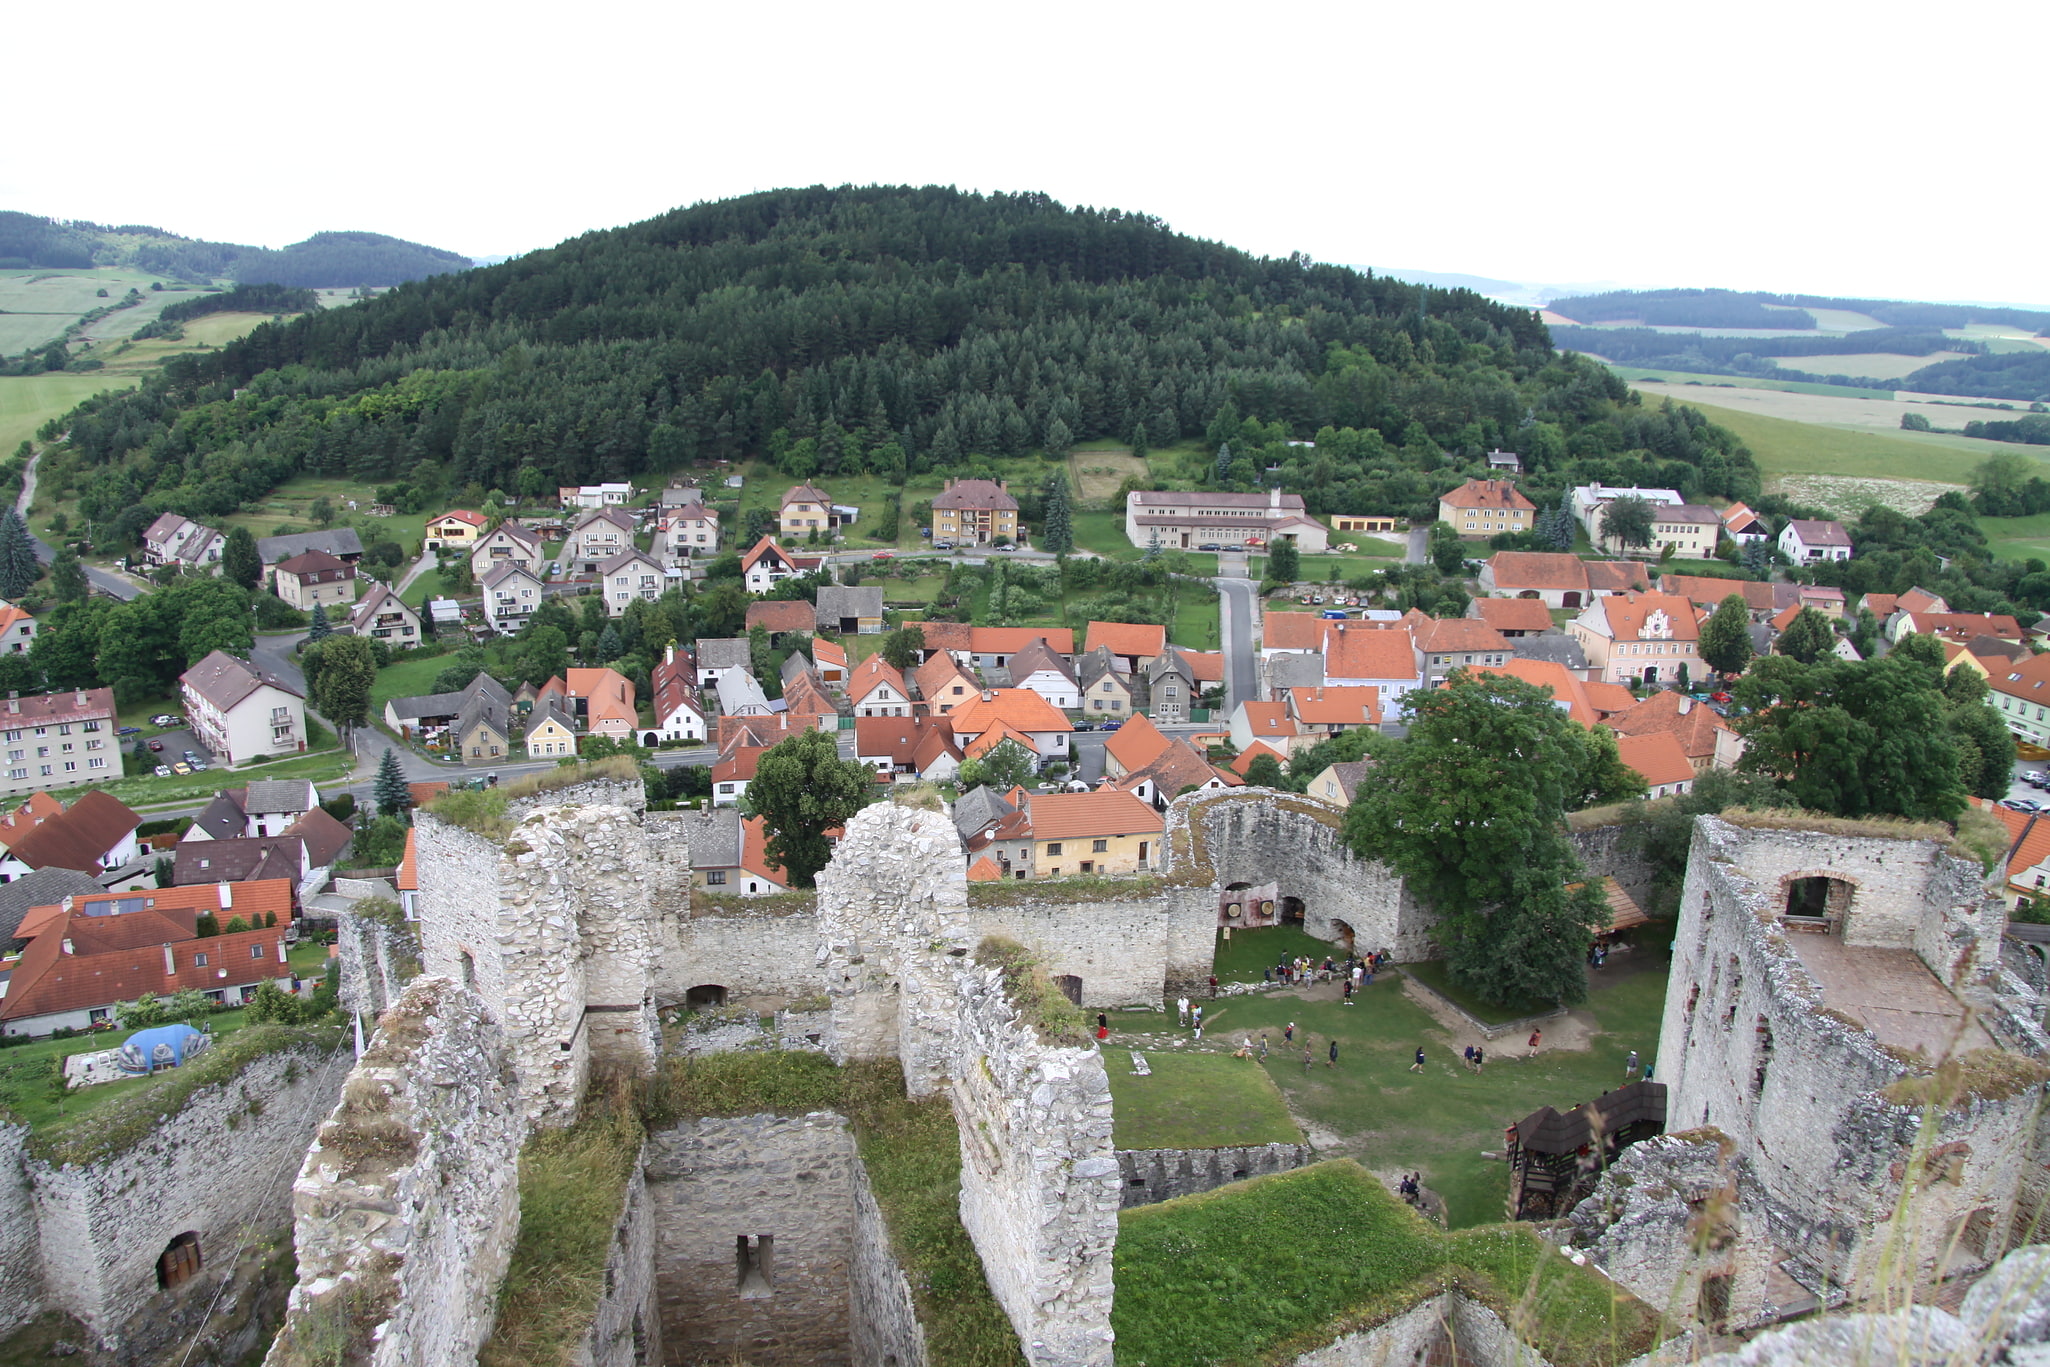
x: 289, y: 794
x: 517, y: 531
x: 1628, y: 613
x: 714, y: 837
x: 628, y: 557
x: 546, y: 712
x: 339, y: 541
x: 1338, y: 705
x: 1819, y: 533
x: 1179, y: 765
x: 1616, y: 576
x: 1567, y: 690
x: 997, y: 734
x: 1096, y: 665
x: 977, y: 494
x: 874, y: 672
x: 1657, y: 757
x: 979, y: 807
x: 899, y: 739
x: 1252, y: 752
x: 2027, y: 679
x: 1537, y: 570
x: 1205, y: 666
x: 804, y: 493
x: 39, y: 888
x: 1010, y: 640
x: 90, y: 827
x: 1103, y: 812
x: 845, y: 600
x: 1135, y: 744
x: 1035, y: 657
x: 779, y: 615
x: 465, y: 515
x: 238, y: 860
x: 724, y: 652
x: 941, y: 679
x: 1019, y: 708
x: 1489, y: 495
x: 1693, y: 724
x: 1512, y: 614
x: 1444, y: 635
x: 1708, y: 593
x: 481, y: 685
x: 379, y: 599
x: 496, y: 576
x: 1358, y: 650
x: 224, y: 681
x: 1268, y: 719
x: 1126, y: 638
x: 1292, y: 631
x: 824, y: 653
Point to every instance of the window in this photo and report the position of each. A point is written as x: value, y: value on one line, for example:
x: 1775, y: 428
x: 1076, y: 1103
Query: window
x: 1054, y: 848
x: 1099, y: 846
x: 199, y: 961
x: 256, y: 951
x: 715, y: 877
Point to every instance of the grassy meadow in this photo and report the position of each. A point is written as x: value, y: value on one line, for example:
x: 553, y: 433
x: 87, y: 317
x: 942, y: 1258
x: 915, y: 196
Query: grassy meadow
x: 1682, y: 377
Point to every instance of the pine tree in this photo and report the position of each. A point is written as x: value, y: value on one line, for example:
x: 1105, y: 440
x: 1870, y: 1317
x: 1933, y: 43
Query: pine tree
x: 1057, y: 533
x: 1059, y: 438
x: 67, y: 578
x: 389, y: 791
x: 18, y: 567
x: 1223, y: 462
x: 1139, y: 440
x: 318, y: 629
x: 609, y: 646
x: 1757, y: 555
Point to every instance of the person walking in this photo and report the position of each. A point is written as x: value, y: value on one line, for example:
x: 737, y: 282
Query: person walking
x: 1418, y: 1066
x: 1630, y: 1067
x: 1468, y: 1056
x: 1181, y: 1010
x: 1213, y: 987
x: 1307, y: 1059
x: 1196, y: 1014
x: 1333, y: 1061
x: 1288, y: 1033
x: 1480, y: 1057
x: 1535, y: 1036
x: 1102, y: 1026
x: 1263, y: 1046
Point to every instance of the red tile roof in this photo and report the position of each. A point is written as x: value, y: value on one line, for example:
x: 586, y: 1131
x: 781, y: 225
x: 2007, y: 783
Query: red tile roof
x: 460, y: 515
x: 1126, y: 638
x: 1010, y: 640
x: 996, y: 735
x: 1517, y: 570
x: 873, y: 672
x: 1135, y: 744
x: 1019, y: 708
x: 1292, y: 631
x: 1357, y: 650
x: 80, y: 838
x: 1695, y: 727
x: 409, y: 866
x: 48, y: 980
x: 1336, y: 705
x: 1269, y: 719
x: 943, y: 685
x: 1555, y: 676
x: 976, y: 494
x: 1447, y: 635
x: 1104, y: 812
x: 985, y: 870
x: 775, y: 615
x: 1708, y: 593
x: 1656, y: 756
x: 1627, y: 614
x: 1490, y: 494
x: 1205, y: 666
x: 1252, y: 752
x: 1513, y: 614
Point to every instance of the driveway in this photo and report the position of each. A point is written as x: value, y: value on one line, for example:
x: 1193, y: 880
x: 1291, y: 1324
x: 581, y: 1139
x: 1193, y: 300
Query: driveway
x: 1419, y: 540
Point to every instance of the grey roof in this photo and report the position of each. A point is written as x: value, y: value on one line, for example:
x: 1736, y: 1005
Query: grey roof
x: 1093, y: 666
x: 722, y: 652
x: 504, y: 570
x: 452, y: 704
x: 1295, y: 669
x: 1168, y: 661
x: 224, y: 817
x: 376, y: 600
x: 714, y: 838
x: 543, y: 714
x: 482, y: 709
x: 42, y: 888
x: 793, y: 666
x: 838, y: 600
x: 1037, y: 655
x: 977, y: 808
x: 225, y: 681
x: 324, y: 838
x: 241, y: 860
x: 1559, y: 649
x: 338, y: 541
x: 281, y: 795
x: 1349, y: 773
x: 740, y: 695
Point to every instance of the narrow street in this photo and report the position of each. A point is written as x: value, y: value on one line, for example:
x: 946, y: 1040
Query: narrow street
x: 106, y: 581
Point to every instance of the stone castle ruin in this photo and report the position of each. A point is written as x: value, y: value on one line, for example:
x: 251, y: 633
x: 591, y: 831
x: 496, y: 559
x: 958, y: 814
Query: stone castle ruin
x: 1819, y: 979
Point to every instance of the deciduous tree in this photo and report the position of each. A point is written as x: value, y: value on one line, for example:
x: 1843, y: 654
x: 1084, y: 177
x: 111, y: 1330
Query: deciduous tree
x: 1471, y: 809
x: 1866, y: 739
x: 1807, y: 638
x: 1284, y: 562
x: 801, y: 790
x: 1003, y: 766
x: 1628, y: 521
x: 1726, y: 636
x: 348, y: 671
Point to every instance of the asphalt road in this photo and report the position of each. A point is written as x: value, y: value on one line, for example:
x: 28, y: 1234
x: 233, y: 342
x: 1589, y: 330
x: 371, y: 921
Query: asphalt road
x: 1238, y: 600
x: 109, y: 583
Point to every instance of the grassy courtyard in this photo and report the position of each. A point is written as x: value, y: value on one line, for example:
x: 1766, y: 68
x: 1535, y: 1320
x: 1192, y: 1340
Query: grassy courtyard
x: 1437, y: 1122
x: 1195, y: 1101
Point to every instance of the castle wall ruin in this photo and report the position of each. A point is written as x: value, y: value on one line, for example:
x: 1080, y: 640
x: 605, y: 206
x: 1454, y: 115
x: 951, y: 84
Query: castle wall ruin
x: 21, y: 1254
x: 626, y: 1329
x: 407, y: 1207
x: 213, y: 1171
x: 1449, y: 1327
x: 886, y: 1329
x: 1149, y: 1175
x: 1790, y: 1066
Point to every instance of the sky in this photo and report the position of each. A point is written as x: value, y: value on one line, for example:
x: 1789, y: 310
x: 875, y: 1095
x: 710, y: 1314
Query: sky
x: 1876, y: 149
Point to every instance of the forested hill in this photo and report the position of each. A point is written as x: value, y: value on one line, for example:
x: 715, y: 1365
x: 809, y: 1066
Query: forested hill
x: 325, y: 260
x: 887, y: 330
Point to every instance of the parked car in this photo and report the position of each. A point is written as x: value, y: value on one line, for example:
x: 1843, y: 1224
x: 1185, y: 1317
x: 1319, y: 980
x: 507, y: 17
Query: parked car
x: 129, y: 731
x: 165, y: 719
x: 190, y: 756
x: 156, y: 745
x: 1333, y: 614
x: 2036, y: 777
x: 1209, y: 546
x: 943, y: 545
x: 1084, y: 726
x: 163, y: 771
x: 2020, y: 804
x: 199, y: 766
x: 884, y: 555
x: 181, y: 767
x: 1110, y: 726
x: 1720, y: 697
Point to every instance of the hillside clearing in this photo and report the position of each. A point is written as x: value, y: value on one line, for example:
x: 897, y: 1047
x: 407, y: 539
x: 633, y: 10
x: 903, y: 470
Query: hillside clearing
x: 1846, y: 496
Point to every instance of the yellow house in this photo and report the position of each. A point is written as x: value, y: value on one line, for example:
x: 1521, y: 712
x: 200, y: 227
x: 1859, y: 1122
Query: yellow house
x: 550, y: 734
x: 459, y: 528
x: 805, y: 509
x: 1067, y: 835
x: 974, y: 510
x: 1105, y: 692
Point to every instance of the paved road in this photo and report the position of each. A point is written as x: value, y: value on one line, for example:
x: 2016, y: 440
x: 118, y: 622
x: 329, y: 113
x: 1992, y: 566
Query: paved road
x: 1237, y: 602
x: 1419, y: 539
x: 104, y: 580
x: 427, y: 561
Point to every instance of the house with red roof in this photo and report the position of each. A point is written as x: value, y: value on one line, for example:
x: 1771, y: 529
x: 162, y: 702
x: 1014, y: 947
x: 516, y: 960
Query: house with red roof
x: 1657, y: 758
x: 1177, y: 768
x: 1482, y: 508
x: 1264, y: 721
x: 908, y: 748
x: 459, y: 527
x: 1331, y: 710
x: 1646, y: 636
x: 2021, y: 695
x: 1134, y: 644
x: 830, y: 659
x: 1454, y: 643
x: 1512, y: 617
x: 974, y: 512
x: 1558, y: 580
x: 1132, y: 747
x: 805, y: 511
x: 678, y: 717
x: 1107, y: 832
x: 1245, y: 758
x: 17, y: 629
x: 93, y: 835
x: 878, y: 690
x: 780, y: 617
x: 56, y: 740
x: 1705, y: 738
x: 1021, y: 710
x: 1371, y: 655
x: 767, y: 564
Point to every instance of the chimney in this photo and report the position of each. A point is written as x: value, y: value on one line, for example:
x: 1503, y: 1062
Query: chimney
x: 67, y: 946
x: 80, y: 702
x: 227, y: 892
x: 1274, y: 498
x: 1686, y: 704
x: 988, y: 696
x: 170, y: 962
x: 67, y: 902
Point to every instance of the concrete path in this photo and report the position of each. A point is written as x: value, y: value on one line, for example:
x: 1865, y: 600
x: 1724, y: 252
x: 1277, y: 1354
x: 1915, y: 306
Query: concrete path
x: 419, y: 567
x: 1419, y: 539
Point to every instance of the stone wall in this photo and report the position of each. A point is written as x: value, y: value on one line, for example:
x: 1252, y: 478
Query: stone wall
x: 559, y: 929
x: 790, y: 1181
x: 1039, y: 1192
x: 407, y: 1207
x: 1612, y: 852
x: 1751, y: 1048
x: 219, y: 1167
x: 886, y: 1330
x: 626, y: 1330
x: 747, y: 950
x: 1257, y: 838
x: 21, y: 1254
x: 1149, y: 1175
x: 1127, y: 951
x: 1445, y: 1328
x: 376, y: 958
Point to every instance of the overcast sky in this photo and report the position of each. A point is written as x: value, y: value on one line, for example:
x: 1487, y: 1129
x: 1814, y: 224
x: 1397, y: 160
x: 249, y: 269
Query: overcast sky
x: 1871, y: 149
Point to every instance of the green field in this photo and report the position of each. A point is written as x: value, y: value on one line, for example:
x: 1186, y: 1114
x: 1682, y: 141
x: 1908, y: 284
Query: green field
x: 29, y: 401
x: 1630, y: 372
x: 1785, y: 447
x: 405, y: 679
x: 322, y: 766
x: 1195, y: 1101
x: 1438, y: 1122
x: 2018, y: 538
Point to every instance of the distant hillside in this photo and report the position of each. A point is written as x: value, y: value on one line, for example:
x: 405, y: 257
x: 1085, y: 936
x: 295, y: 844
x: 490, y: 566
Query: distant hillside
x: 323, y: 261
x: 1694, y: 308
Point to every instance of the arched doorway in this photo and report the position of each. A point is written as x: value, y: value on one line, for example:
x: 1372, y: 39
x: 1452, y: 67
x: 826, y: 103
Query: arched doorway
x: 1651, y: 674
x: 1819, y: 898
x: 1568, y: 599
x: 1341, y: 931
x: 1292, y: 910
x: 179, y: 1260
x: 704, y: 995
x: 1070, y: 986
x: 651, y: 739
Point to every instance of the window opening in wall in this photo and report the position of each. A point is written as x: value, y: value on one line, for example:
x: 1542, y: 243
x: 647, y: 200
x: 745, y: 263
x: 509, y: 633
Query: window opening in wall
x: 1342, y: 932
x: 1976, y: 1234
x: 1292, y: 911
x: 1822, y: 902
x: 1761, y: 1058
x: 179, y: 1260
x: 1715, y: 1301
x: 1070, y: 986
x: 751, y: 1258
x: 469, y: 969
x: 704, y: 995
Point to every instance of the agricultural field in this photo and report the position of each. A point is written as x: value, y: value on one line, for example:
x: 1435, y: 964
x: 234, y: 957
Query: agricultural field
x: 1873, y: 365
x: 2018, y: 538
x: 36, y: 306
x: 1680, y: 379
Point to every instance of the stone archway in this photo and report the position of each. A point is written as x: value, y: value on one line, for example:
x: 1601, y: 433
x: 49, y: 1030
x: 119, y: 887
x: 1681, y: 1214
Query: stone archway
x: 1293, y: 911
x: 704, y: 995
x: 1818, y: 898
x: 1342, y: 931
x: 180, y: 1260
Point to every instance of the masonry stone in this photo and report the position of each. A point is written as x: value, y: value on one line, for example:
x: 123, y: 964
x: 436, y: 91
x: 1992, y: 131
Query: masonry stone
x: 21, y: 1255
x: 376, y: 956
x: 885, y: 1328
x: 1445, y: 1328
x: 1149, y: 1175
x: 626, y: 1327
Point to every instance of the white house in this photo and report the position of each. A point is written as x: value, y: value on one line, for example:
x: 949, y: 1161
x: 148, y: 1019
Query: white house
x: 315, y: 579
x: 241, y: 713
x: 382, y: 616
x: 594, y: 495
x: 176, y: 540
x: 878, y: 690
x: 508, y: 544
x: 1038, y: 668
x: 511, y: 593
x: 692, y: 529
x: 1806, y: 543
x: 677, y: 714
x: 631, y: 574
x: 597, y: 537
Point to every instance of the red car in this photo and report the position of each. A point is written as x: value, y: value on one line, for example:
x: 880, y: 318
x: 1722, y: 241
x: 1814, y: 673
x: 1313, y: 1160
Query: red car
x: 156, y: 745
x: 884, y: 555
x: 1718, y: 697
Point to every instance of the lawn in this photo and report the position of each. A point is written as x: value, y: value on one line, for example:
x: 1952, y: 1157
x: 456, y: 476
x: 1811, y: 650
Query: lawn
x: 1196, y: 621
x: 1243, y: 958
x: 405, y: 679
x: 1195, y: 1101
x: 291, y: 503
x: 1260, y: 1271
x: 25, y: 1069
x: 1433, y: 975
x: 322, y: 766
x: 29, y: 401
x: 2018, y: 538
x: 1438, y: 1122
x: 1747, y: 382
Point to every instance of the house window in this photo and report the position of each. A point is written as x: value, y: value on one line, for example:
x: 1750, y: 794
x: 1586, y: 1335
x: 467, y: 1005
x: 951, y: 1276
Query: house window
x: 1099, y: 846
x: 199, y: 961
x: 1054, y: 848
x: 256, y: 951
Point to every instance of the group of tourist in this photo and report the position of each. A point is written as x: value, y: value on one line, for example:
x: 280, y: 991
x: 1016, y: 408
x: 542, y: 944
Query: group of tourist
x: 1355, y: 972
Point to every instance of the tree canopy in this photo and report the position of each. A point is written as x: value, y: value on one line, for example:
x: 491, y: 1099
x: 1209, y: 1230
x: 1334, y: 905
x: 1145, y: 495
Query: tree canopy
x: 1726, y: 636
x: 1471, y: 809
x: 801, y: 790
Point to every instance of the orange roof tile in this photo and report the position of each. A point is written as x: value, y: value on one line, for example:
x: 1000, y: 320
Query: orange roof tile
x: 409, y: 866
x: 1011, y: 640
x: 985, y: 870
x: 1695, y: 727
x: 1513, y: 614
x: 1616, y: 576
x: 1019, y: 708
x: 1491, y: 494
x: 1126, y: 638
x: 1627, y: 614
x: 1657, y: 757
x: 460, y: 515
x: 1336, y: 705
x: 1555, y: 676
x: 1445, y: 635
x: 754, y: 851
x: 2028, y: 678
x: 1708, y: 593
x: 1135, y: 744
x: 996, y: 735
x: 1252, y: 752
x: 1205, y: 666
x: 1357, y: 650
x: 777, y: 615
x: 870, y: 673
x: 1269, y: 719
x: 48, y: 980
x: 1517, y: 570
x: 1104, y: 812
x: 608, y: 694
x: 1292, y: 631
x: 1608, y: 697
x: 825, y: 653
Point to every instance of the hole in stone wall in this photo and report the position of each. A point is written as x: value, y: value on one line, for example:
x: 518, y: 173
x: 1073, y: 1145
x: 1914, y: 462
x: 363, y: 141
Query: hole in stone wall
x: 179, y: 1260
x: 469, y: 966
x: 1761, y: 1058
x: 1238, y: 1174
x: 751, y: 1257
x: 1714, y: 1307
x: 1292, y: 911
x: 1070, y: 986
x: 640, y: 1341
x: 1342, y: 932
x: 1977, y: 1233
x: 704, y: 995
